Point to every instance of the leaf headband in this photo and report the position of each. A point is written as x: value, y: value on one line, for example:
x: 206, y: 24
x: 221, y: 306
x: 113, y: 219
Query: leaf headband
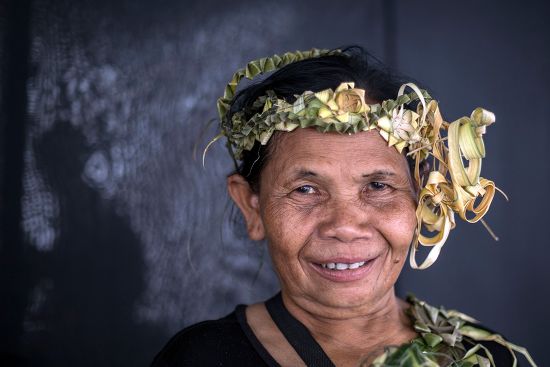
x: 451, y: 187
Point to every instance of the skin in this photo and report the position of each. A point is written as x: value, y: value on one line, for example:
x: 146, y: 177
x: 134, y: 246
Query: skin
x: 324, y: 196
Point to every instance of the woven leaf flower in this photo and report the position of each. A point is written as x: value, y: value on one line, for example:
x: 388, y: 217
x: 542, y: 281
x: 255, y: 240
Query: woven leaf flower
x: 402, y: 126
x: 350, y: 99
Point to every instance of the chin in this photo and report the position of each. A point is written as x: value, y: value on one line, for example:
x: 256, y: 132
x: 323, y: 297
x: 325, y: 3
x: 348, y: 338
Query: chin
x: 348, y: 297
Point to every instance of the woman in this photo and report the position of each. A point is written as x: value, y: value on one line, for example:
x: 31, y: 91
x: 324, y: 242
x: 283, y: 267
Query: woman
x: 334, y: 174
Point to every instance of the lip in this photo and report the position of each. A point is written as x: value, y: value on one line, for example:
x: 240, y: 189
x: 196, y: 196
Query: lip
x: 343, y: 276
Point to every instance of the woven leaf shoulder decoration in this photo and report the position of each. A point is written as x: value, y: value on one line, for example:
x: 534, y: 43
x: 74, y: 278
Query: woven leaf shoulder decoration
x: 447, y: 338
x: 452, y: 187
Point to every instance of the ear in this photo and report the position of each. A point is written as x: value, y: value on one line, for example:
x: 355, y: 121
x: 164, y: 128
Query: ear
x: 249, y: 204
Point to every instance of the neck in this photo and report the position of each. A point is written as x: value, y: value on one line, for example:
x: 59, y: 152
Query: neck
x: 355, y: 332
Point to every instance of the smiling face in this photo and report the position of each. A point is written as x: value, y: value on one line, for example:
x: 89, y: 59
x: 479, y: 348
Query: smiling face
x: 338, y: 212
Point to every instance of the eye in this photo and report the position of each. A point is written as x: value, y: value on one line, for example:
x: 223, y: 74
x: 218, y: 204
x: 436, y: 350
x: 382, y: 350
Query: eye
x: 305, y: 190
x: 377, y: 186
x: 376, y: 189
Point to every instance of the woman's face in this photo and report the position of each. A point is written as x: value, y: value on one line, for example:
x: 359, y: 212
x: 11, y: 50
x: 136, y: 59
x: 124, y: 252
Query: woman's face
x: 338, y: 212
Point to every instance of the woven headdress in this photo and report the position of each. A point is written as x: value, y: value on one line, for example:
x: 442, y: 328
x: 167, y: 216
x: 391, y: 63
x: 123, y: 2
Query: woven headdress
x: 451, y: 186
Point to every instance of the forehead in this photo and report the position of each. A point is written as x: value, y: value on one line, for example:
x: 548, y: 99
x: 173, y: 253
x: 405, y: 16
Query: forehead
x: 309, y: 148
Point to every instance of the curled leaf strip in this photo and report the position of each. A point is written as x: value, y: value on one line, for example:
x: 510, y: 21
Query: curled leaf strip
x: 435, y: 212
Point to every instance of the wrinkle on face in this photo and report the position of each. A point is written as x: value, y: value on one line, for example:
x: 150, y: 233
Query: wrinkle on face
x: 320, y: 197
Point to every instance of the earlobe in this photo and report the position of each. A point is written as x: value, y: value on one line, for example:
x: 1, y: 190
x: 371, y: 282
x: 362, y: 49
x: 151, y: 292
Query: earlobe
x: 249, y: 204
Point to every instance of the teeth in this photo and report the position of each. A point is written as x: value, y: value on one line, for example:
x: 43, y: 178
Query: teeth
x: 343, y: 266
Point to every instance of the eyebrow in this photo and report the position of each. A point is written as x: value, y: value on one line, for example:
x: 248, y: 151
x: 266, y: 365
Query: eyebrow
x: 379, y: 173
x: 303, y: 173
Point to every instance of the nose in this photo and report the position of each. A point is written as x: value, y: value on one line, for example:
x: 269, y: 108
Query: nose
x: 346, y: 221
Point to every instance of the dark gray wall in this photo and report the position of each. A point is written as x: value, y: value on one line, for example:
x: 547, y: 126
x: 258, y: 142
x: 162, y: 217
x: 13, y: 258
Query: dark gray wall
x: 114, y: 237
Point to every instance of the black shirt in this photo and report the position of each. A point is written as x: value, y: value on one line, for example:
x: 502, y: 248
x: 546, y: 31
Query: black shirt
x: 229, y: 342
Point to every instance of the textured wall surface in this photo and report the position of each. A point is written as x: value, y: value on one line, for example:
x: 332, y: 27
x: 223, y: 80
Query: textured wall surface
x: 114, y: 236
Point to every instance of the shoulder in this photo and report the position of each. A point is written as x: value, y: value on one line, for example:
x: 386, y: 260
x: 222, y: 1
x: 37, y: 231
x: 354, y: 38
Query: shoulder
x: 219, y: 342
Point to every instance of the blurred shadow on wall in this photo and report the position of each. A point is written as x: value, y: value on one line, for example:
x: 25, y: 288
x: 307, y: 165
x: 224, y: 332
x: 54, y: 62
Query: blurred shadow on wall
x: 84, y: 291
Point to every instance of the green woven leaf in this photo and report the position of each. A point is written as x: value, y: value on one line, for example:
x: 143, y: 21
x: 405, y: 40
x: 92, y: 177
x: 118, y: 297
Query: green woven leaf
x: 410, y: 355
x: 432, y: 339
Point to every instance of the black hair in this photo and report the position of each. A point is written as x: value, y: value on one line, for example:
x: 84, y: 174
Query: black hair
x: 354, y: 64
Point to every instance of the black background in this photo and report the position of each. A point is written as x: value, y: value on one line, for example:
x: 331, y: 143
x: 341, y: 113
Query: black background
x: 114, y: 236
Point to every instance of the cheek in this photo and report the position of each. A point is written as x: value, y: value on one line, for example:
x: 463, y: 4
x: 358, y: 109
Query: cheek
x: 285, y: 227
x: 397, y: 222
x: 284, y: 217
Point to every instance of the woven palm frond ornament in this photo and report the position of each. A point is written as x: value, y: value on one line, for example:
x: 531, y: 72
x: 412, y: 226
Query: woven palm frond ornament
x: 446, y: 338
x: 451, y: 187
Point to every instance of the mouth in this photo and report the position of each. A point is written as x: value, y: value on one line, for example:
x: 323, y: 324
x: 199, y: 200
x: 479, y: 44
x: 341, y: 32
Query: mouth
x: 344, y: 270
